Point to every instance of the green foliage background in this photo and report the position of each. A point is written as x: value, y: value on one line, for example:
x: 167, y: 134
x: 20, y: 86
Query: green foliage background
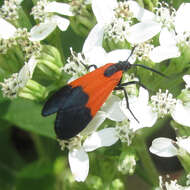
x: 30, y: 157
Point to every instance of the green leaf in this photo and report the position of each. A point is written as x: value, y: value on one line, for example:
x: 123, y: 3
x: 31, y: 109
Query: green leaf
x: 36, y: 170
x: 27, y: 115
x: 4, y: 124
x: 10, y: 160
x: 45, y: 183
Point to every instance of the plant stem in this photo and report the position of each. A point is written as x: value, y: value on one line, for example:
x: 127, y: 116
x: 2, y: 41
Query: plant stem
x: 149, y: 172
x: 39, y: 146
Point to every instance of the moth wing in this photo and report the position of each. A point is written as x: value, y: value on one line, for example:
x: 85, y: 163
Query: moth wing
x: 70, y: 122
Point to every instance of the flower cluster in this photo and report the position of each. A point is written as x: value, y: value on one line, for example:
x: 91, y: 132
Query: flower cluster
x: 32, y: 65
x: 171, y: 185
x: 9, y: 10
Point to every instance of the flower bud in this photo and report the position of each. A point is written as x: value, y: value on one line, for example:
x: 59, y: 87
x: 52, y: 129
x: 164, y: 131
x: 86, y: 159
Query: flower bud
x: 33, y: 91
x: 127, y: 162
x: 49, y: 62
x: 117, y: 184
x: 83, y: 19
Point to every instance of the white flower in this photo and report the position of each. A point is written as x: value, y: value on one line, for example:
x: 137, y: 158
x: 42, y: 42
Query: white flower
x: 7, y: 30
x: 17, y: 81
x: 93, y: 54
x: 165, y: 147
x: 78, y: 157
x: 49, y: 23
x: 181, y: 111
x: 99, y: 57
x: 171, y: 185
x: 111, y: 110
x: 143, y: 31
x: 168, y: 47
x: 163, y: 103
x: 26, y: 72
x: 105, y: 12
x: 96, y: 55
x: 165, y: 24
x: 142, y: 50
x: 7, y: 36
x: 150, y: 26
x: 186, y: 78
x: 10, y: 10
x: 138, y: 33
x: 172, y: 28
x: 141, y: 110
x: 182, y: 15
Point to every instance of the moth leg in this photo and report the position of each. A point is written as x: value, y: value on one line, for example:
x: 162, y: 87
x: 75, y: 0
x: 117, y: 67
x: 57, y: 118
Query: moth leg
x: 127, y: 101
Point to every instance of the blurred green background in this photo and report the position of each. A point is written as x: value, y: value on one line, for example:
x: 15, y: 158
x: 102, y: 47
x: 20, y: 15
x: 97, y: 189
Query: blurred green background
x: 30, y: 157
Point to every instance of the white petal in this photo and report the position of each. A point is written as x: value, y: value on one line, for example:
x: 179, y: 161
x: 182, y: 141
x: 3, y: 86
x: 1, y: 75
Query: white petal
x: 7, y: 30
x: 88, y: 2
x: 184, y: 143
x: 139, y: 12
x: 96, y: 56
x: 162, y: 53
x: 94, y: 39
x: 112, y: 109
x: 182, y: 17
x: 94, y: 124
x: 143, y: 31
x: 148, y: 120
x: 163, y: 147
x: 103, y: 10
x: 167, y: 37
x: 79, y: 164
x: 143, y: 96
x: 23, y: 76
x: 61, y: 8
x: 119, y: 55
x: 186, y: 78
x: 181, y: 114
x: 141, y: 110
x: 31, y: 65
x: 19, y: 1
x: 26, y: 72
x: 61, y: 22
x: 42, y: 30
x: 103, y: 138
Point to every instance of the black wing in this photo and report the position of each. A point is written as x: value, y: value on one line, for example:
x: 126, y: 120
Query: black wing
x: 65, y: 98
x: 55, y: 102
x: 72, y: 115
x: 70, y: 122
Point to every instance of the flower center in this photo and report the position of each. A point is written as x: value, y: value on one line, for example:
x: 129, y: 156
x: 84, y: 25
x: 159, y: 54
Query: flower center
x: 9, y: 10
x: 163, y: 103
x: 124, y: 133
x: 30, y: 48
x: 117, y: 30
x: 5, y: 44
x: 184, y: 38
x: 123, y: 11
x: 165, y: 15
x: 72, y: 143
x: 38, y: 11
x: 127, y: 165
x: 76, y: 64
x: 79, y: 7
x: 10, y: 86
x: 142, y: 50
